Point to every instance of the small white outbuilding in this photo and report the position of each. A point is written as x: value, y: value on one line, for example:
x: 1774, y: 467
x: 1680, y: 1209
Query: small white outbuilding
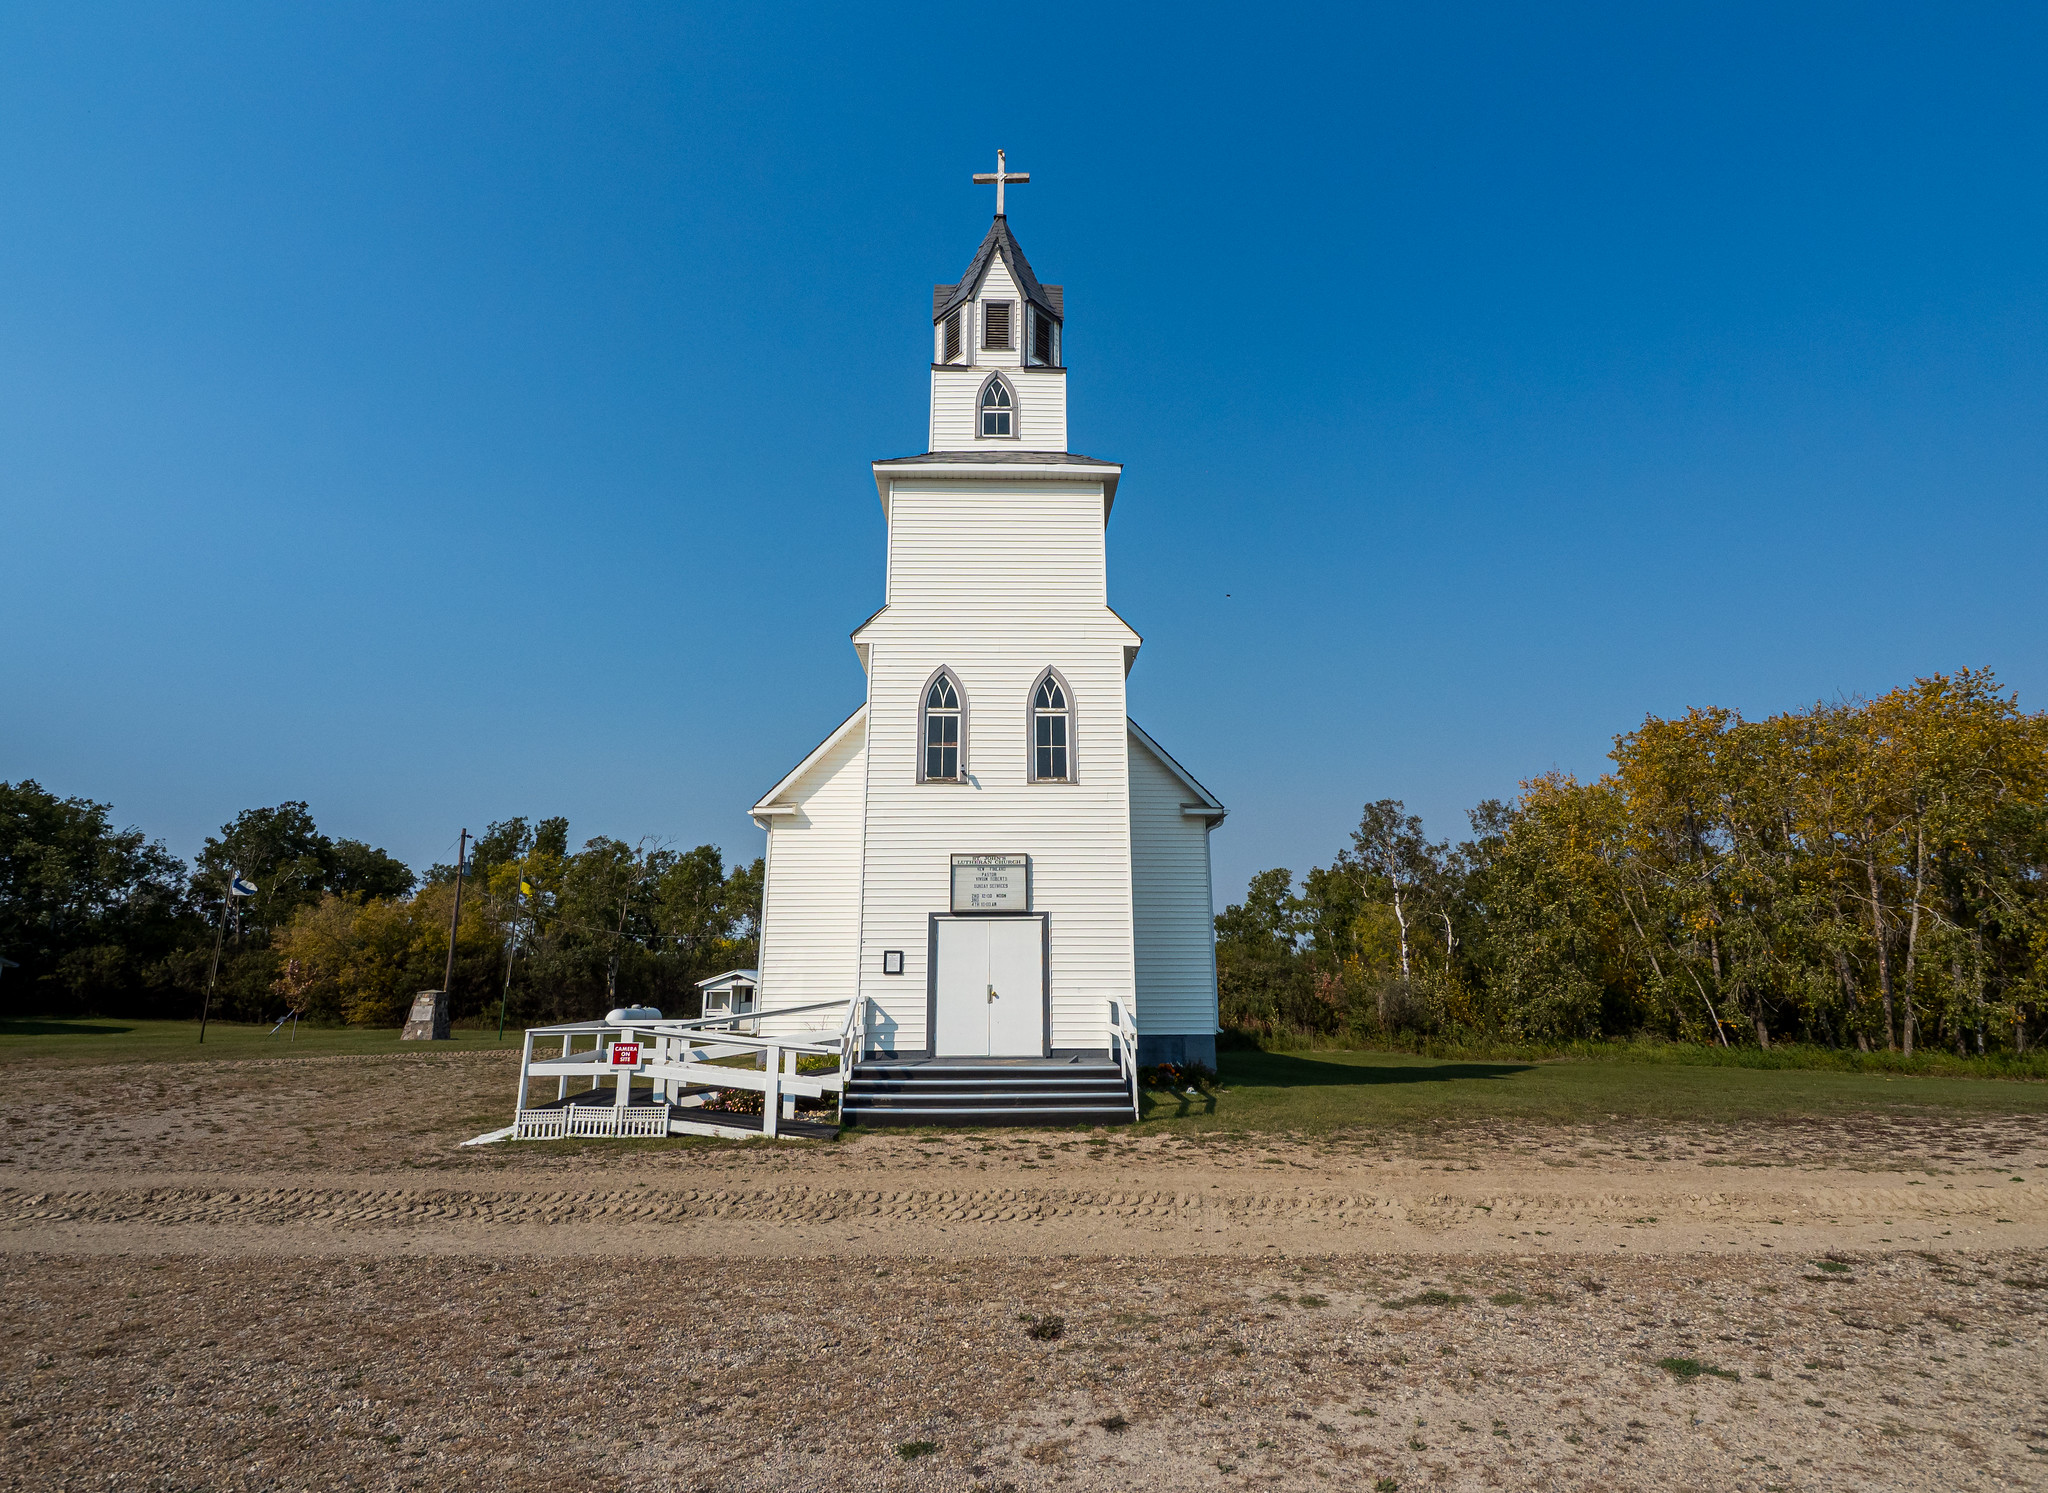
x: 730, y: 994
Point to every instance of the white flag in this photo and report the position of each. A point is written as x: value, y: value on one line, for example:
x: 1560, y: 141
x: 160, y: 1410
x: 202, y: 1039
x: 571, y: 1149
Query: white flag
x: 237, y: 887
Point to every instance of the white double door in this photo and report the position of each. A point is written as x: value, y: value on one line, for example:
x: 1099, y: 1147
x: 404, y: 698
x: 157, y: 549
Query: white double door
x: 989, y: 989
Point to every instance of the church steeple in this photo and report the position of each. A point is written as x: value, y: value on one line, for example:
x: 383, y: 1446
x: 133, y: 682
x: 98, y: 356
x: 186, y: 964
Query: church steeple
x: 999, y: 378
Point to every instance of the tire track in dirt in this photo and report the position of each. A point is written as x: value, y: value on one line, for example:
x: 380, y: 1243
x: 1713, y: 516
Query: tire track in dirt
x: 32, y: 1207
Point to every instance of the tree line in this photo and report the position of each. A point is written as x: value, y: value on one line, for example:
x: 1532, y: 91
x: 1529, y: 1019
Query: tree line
x: 1864, y: 873
x: 102, y: 920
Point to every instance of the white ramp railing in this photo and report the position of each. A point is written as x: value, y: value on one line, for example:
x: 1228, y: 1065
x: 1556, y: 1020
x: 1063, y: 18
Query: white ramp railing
x: 679, y: 1059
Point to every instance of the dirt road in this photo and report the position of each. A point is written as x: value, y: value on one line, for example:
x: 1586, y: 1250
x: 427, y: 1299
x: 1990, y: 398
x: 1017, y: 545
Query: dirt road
x: 298, y: 1280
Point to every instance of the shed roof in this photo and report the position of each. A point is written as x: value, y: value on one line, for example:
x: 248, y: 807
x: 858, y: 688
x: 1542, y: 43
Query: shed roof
x: 730, y: 978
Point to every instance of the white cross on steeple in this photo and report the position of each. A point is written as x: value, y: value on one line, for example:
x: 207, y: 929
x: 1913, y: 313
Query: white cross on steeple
x: 997, y: 178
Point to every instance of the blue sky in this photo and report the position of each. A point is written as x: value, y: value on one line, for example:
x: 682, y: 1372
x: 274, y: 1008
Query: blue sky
x: 445, y: 413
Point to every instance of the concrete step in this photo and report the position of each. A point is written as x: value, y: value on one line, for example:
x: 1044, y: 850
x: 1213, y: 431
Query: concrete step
x: 1048, y: 1098
x: 982, y: 1091
x: 970, y: 1072
x: 974, y: 1115
x: 861, y: 1083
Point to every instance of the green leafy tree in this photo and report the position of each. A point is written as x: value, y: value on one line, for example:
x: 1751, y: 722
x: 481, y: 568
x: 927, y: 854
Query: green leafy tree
x: 1263, y: 983
x: 293, y: 866
x: 1856, y: 872
x: 89, y: 913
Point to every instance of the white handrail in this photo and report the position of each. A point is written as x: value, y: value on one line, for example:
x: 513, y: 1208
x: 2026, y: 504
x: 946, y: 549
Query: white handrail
x: 1123, y: 1036
x: 665, y: 1023
x: 852, y: 1038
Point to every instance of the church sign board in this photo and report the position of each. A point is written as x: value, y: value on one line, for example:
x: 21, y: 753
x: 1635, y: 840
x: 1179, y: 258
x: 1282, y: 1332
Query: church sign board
x: 991, y: 883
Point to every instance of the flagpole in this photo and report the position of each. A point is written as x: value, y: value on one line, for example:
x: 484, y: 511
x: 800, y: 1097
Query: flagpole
x: 520, y: 901
x: 455, y: 921
x: 218, y: 934
x: 510, y: 950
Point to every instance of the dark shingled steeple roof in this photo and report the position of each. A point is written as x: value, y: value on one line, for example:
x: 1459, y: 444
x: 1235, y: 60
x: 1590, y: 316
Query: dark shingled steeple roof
x: 1000, y: 240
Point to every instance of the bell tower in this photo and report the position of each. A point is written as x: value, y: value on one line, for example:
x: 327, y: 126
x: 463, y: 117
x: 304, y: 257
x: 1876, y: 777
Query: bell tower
x: 999, y: 376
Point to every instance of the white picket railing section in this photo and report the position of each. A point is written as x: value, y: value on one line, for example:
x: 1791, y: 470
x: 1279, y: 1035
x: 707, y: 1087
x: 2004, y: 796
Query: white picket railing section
x: 609, y: 1120
x: 539, y: 1124
x: 605, y: 1120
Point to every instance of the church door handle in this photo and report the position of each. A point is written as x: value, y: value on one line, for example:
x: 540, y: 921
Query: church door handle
x: 991, y: 993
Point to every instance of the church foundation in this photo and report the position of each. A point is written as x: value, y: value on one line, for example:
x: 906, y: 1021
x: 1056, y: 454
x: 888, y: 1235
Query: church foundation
x: 1182, y: 1049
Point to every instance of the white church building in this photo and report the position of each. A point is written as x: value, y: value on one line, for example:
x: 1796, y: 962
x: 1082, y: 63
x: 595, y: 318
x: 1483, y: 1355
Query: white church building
x: 990, y: 855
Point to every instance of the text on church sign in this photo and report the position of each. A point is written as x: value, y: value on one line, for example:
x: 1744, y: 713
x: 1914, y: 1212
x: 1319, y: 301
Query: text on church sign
x: 991, y: 883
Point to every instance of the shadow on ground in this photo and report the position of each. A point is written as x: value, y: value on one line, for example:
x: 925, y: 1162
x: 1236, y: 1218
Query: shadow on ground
x: 1167, y: 1104
x: 17, y: 1026
x: 1281, y: 1070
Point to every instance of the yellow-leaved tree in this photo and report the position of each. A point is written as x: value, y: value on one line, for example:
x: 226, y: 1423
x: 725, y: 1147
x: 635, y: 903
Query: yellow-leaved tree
x: 362, y: 960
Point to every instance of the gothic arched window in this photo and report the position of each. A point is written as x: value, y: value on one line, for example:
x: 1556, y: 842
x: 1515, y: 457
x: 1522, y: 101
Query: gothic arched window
x: 942, y: 734
x: 1052, y: 731
x: 997, y: 412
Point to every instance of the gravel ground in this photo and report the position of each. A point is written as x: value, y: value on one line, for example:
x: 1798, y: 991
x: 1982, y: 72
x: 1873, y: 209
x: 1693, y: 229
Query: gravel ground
x: 291, y: 1277
x: 186, y: 1372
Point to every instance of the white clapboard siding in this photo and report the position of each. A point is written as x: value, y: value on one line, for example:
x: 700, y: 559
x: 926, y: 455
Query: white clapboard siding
x: 1170, y: 901
x: 998, y: 580
x: 811, y: 903
x: 1040, y: 410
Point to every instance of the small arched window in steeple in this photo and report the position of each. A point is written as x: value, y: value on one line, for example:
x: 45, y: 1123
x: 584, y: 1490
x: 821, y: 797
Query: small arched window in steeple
x: 1051, y: 731
x: 996, y: 409
x: 941, y: 730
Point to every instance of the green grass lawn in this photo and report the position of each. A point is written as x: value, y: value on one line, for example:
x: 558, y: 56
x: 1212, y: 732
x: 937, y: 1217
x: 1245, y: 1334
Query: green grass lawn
x: 1304, y: 1092
x: 1314, y: 1092
x: 109, y: 1040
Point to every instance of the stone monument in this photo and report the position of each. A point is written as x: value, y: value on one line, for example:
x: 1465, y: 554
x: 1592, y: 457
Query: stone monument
x: 429, y: 1019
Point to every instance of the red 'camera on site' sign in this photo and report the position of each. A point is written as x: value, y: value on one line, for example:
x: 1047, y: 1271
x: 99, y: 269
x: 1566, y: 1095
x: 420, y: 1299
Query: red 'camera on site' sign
x: 625, y: 1054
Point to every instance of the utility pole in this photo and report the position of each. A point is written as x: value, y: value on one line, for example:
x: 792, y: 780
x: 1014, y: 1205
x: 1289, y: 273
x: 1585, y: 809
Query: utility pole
x: 455, y: 919
x: 218, y: 934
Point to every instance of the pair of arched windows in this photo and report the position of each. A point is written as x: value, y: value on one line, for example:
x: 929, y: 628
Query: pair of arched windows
x: 944, y: 730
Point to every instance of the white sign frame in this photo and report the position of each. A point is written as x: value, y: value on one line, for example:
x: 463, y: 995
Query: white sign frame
x: 994, y: 885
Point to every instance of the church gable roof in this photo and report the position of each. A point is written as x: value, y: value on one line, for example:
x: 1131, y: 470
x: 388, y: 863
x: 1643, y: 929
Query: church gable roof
x: 765, y: 804
x: 1207, y: 804
x: 1048, y: 298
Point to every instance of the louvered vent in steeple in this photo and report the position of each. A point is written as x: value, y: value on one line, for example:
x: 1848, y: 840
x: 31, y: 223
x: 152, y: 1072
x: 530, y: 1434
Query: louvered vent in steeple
x: 995, y: 325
